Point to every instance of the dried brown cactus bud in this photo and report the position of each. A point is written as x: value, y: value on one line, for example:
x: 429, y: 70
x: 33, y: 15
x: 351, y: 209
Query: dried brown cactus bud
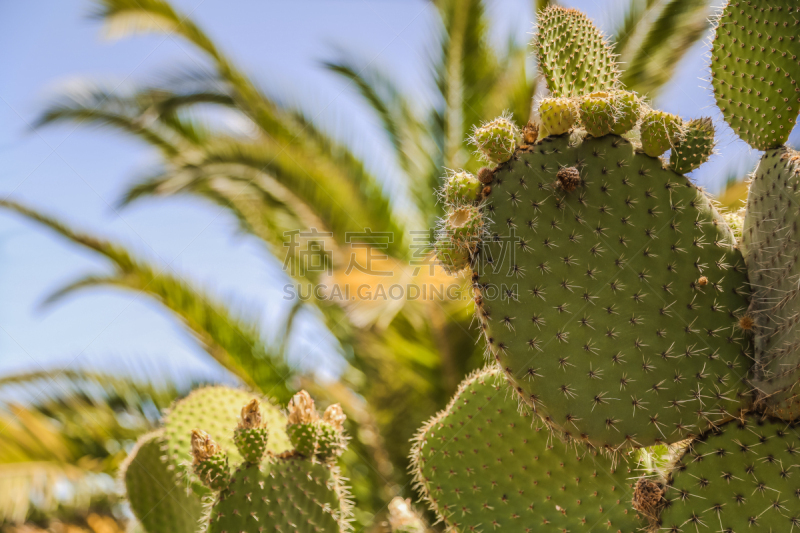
x: 485, y: 175
x: 301, y: 409
x: 251, y: 415
x: 648, y: 498
x: 746, y: 322
x: 568, y: 178
x: 203, y: 446
x: 530, y: 132
x: 334, y: 416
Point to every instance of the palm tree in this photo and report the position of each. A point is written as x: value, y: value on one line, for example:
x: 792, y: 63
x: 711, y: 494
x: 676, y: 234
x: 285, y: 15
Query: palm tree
x: 292, y: 176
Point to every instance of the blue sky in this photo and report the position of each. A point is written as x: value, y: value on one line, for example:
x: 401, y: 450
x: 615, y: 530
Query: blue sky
x: 78, y: 173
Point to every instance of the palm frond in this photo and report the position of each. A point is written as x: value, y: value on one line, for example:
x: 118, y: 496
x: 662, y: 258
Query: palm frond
x: 231, y: 341
x: 666, y: 36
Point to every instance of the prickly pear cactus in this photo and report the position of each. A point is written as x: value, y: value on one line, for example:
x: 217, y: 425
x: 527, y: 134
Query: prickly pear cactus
x: 739, y: 477
x: 771, y: 244
x: 161, y: 502
x: 483, y: 466
x: 298, y: 490
x: 615, y: 304
x: 694, y: 148
x: 607, y: 286
x: 755, y: 69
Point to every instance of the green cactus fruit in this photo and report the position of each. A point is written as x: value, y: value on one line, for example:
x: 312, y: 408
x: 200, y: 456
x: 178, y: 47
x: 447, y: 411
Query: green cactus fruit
x: 741, y: 477
x: 482, y: 467
x: 450, y: 257
x: 210, y: 462
x: 755, y: 69
x: 403, y: 518
x: 601, y: 321
x: 284, y: 494
x: 496, y: 140
x: 660, y: 131
x: 461, y: 188
x: 557, y: 115
x: 312, y: 436
x: 627, y: 107
x: 572, y: 54
x: 771, y: 245
x: 251, y: 435
x: 694, y: 148
x: 464, y: 227
x: 216, y: 410
x: 597, y: 114
x: 160, y: 501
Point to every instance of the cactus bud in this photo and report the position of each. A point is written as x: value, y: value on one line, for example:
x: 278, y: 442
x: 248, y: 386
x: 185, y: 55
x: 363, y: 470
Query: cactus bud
x: 530, y: 133
x: 251, y: 434
x: 485, y: 175
x: 557, y: 115
x: 209, y: 461
x: 334, y: 416
x: 461, y: 188
x: 648, y: 498
x: 452, y: 259
x: 301, y: 409
x: 568, y: 178
x: 597, y: 114
x: 694, y: 148
x: 660, y: 131
x: 626, y: 111
x: 496, y: 140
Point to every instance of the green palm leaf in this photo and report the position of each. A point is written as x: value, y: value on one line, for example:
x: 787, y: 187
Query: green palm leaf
x: 232, y: 342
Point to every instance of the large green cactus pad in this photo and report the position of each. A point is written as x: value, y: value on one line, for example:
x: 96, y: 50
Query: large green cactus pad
x: 482, y: 467
x: 743, y: 478
x: 282, y: 495
x: 771, y: 244
x: 613, y: 307
x: 755, y: 69
x: 572, y: 54
x: 161, y: 501
x: 216, y: 410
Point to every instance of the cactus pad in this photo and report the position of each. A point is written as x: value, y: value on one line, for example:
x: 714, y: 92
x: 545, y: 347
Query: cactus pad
x: 695, y: 148
x: 216, y: 410
x: 572, y: 54
x: 660, y: 132
x: 481, y: 466
x: 741, y: 478
x: 285, y: 494
x: 160, y: 501
x: 771, y: 244
x: 600, y: 319
x: 755, y: 69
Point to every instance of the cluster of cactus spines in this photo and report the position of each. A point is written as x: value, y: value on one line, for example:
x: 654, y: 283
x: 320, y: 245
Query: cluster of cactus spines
x: 482, y: 467
x: 160, y: 501
x: 297, y: 490
x: 771, y: 244
x: 738, y: 477
x: 572, y: 54
x: 755, y: 69
x: 495, y: 141
x: 694, y: 148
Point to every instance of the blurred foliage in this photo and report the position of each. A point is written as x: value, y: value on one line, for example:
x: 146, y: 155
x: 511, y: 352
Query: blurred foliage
x: 405, y: 358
